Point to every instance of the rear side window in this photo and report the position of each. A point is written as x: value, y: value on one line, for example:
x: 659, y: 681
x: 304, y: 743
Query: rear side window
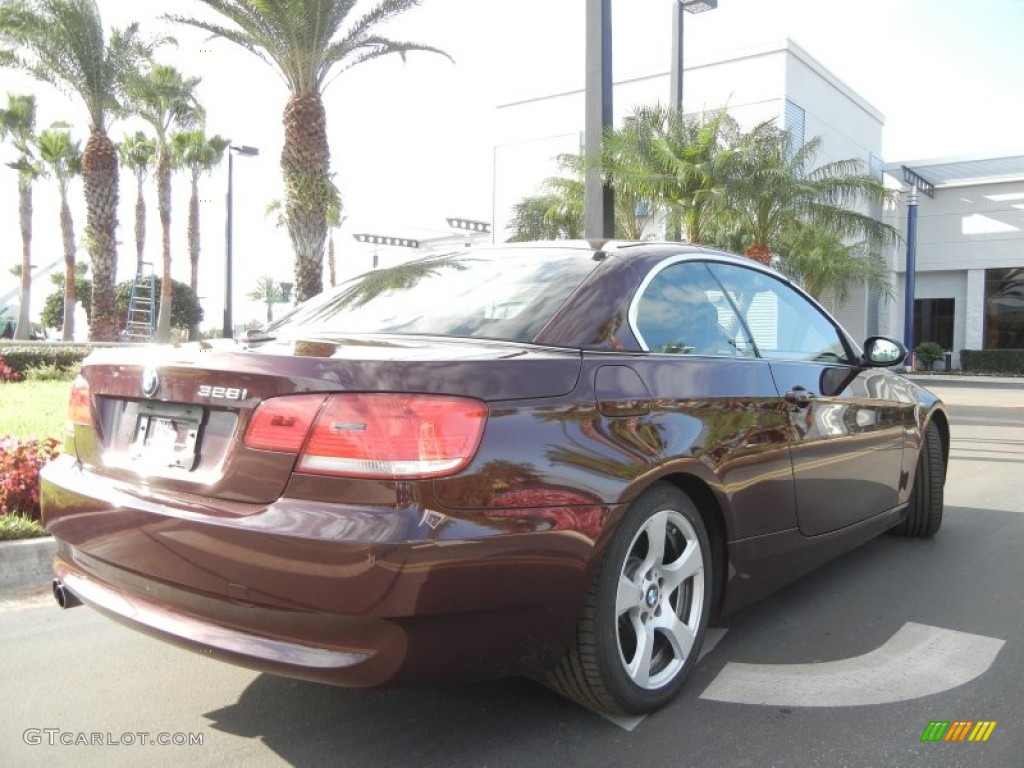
x: 508, y: 294
x: 683, y: 310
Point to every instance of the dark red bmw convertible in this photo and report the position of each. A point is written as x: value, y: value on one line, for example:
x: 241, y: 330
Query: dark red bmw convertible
x: 556, y: 459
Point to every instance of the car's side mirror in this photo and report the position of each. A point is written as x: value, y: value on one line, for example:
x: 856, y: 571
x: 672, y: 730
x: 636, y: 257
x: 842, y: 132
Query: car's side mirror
x: 881, y: 351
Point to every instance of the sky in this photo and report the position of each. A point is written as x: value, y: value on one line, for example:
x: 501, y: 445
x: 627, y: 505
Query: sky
x: 412, y: 141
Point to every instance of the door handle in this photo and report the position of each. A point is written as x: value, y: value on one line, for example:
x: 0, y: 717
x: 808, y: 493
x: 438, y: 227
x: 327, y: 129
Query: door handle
x: 799, y: 396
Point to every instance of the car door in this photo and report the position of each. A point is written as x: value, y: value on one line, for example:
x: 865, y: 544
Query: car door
x: 846, y: 426
x: 715, y: 401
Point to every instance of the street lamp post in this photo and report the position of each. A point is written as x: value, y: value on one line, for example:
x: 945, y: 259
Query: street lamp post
x: 228, y: 331
x: 598, y: 198
x: 676, y: 78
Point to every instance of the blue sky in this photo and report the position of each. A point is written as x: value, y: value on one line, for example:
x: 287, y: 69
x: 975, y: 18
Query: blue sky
x: 411, y: 142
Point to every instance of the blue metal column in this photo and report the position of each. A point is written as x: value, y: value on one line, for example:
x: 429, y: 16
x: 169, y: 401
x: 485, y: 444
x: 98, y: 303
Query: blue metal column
x: 911, y: 274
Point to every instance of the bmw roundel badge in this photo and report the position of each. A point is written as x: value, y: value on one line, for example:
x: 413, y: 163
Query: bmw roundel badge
x: 150, y: 381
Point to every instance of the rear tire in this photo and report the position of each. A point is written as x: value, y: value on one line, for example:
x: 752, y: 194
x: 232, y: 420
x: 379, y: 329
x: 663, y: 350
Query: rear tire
x: 924, y: 512
x: 644, y: 618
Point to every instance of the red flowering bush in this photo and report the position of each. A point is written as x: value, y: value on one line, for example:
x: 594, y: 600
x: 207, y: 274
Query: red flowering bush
x: 20, y: 462
x: 7, y: 373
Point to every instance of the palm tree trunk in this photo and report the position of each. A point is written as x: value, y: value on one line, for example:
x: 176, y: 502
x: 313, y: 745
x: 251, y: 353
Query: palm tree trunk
x: 193, y: 245
x: 330, y: 260
x: 163, y: 189
x: 67, y: 229
x: 99, y: 174
x: 24, y: 329
x: 305, y: 163
x: 140, y: 229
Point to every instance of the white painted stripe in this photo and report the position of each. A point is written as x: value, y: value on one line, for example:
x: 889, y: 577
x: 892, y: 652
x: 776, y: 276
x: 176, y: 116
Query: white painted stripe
x: 712, y: 636
x: 918, y: 660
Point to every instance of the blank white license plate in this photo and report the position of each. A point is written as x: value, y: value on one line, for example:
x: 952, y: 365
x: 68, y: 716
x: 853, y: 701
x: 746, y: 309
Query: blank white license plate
x: 166, y: 435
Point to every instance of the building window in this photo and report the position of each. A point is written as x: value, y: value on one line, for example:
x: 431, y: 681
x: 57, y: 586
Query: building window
x: 796, y: 123
x: 933, y: 321
x: 1004, y: 308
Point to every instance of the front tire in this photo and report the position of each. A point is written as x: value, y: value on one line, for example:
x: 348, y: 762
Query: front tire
x: 924, y: 512
x: 644, y: 618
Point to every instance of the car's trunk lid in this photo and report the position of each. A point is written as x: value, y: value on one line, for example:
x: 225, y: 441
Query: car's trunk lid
x: 186, y: 433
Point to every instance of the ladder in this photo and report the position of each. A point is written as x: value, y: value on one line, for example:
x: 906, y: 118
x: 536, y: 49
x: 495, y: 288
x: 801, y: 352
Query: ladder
x: 142, y: 306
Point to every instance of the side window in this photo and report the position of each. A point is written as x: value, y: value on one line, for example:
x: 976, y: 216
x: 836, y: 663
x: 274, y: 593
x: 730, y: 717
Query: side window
x: 683, y: 311
x: 784, y: 325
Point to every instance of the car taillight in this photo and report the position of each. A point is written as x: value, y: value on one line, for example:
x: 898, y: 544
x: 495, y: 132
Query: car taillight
x: 393, y: 436
x: 282, y: 423
x: 79, y: 406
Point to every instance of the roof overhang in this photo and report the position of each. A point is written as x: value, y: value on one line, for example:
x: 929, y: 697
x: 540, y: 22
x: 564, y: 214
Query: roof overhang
x: 957, y: 171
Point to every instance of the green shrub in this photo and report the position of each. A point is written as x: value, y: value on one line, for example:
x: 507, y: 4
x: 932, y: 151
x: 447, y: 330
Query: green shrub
x: 992, y: 360
x: 928, y: 353
x: 48, y: 372
x: 23, y: 355
x: 19, y: 527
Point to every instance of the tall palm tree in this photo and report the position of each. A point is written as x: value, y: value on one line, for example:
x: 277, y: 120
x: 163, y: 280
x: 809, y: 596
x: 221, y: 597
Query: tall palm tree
x: 138, y: 153
x: 18, y: 124
x: 165, y: 99
x: 776, y: 190
x: 62, y: 42
x: 198, y: 154
x: 63, y: 157
x: 307, y: 41
x: 334, y: 221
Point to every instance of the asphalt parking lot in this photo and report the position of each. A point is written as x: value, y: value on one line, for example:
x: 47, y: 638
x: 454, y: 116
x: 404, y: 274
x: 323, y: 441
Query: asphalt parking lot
x: 847, y: 667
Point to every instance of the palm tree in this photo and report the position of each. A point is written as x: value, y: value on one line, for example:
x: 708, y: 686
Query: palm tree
x: 165, y: 99
x: 306, y: 41
x: 137, y: 154
x: 198, y: 154
x: 64, y: 158
x: 270, y: 292
x: 675, y: 164
x: 822, y: 262
x: 632, y: 208
x: 775, y: 191
x: 18, y: 123
x: 334, y: 221
x: 62, y: 42
x: 549, y: 216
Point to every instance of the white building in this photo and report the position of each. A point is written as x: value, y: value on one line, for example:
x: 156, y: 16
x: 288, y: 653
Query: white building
x: 778, y: 80
x: 969, y: 291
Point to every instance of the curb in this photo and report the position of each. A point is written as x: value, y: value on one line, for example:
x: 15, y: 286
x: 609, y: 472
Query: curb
x: 26, y: 563
x: 999, y: 382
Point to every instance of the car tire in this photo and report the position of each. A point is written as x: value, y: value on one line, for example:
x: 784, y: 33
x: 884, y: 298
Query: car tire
x: 924, y: 512
x: 644, y: 617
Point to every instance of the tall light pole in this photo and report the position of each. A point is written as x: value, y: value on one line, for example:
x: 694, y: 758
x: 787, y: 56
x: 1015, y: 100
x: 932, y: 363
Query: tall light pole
x: 917, y: 184
x: 679, y: 8
x: 598, y: 199
x: 676, y: 78
x: 228, y: 332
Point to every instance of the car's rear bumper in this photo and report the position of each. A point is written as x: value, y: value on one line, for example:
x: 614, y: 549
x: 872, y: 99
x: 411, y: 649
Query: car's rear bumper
x: 356, y: 596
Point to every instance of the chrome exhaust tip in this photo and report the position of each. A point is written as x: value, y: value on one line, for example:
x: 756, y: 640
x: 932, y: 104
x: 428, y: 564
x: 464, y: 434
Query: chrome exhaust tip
x: 65, y: 597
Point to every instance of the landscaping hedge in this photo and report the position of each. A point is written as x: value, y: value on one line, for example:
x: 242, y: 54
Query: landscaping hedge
x: 992, y: 360
x: 22, y: 355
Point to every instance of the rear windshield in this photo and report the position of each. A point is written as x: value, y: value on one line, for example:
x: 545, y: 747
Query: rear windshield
x: 507, y: 294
